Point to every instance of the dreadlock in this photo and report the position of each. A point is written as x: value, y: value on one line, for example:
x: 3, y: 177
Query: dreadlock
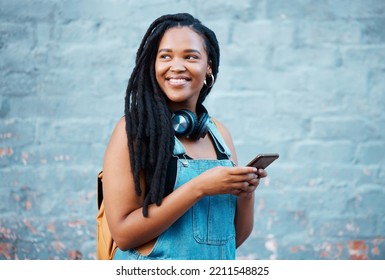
x: 148, y: 118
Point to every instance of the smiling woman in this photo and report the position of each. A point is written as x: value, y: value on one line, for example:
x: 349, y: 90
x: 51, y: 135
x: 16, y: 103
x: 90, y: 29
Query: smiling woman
x: 181, y: 67
x: 171, y: 195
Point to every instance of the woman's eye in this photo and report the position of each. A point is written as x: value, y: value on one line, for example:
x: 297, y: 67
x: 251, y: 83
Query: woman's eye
x: 164, y: 56
x: 191, y: 57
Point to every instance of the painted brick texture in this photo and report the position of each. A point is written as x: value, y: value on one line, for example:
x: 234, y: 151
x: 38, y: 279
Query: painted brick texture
x: 303, y: 78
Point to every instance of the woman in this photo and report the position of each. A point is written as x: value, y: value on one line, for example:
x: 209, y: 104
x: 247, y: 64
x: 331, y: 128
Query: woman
x: 172, y: 189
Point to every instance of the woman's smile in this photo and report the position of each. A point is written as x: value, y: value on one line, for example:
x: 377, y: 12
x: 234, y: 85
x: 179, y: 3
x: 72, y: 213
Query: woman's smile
x: 178, y: 81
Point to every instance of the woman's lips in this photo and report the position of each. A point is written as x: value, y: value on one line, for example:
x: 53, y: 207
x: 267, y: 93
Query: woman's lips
x: 178, y: 81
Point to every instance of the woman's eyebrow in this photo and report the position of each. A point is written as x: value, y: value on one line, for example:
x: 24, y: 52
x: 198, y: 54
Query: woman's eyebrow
x: 165, y: 50
x: 186, y: 51
x: 192, y: 50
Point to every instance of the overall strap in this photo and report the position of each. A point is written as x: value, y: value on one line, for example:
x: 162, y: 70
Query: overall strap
x: 218, y: 139
x: 178, y: 147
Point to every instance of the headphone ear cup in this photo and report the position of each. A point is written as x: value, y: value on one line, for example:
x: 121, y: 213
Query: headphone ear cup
x: 184, y: 122
x: 202, y: 127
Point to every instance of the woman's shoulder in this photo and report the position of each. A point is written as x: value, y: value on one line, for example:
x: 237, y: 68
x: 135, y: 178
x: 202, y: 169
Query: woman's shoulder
x: 221, y: 128
x: 120, y: 128
x: 118, y: 139
x: 121, y: 124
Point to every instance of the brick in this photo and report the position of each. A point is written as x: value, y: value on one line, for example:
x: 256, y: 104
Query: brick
x: 235, y: 58
x: 294, y: 223
x: 339, y: 81
x: 58, y: 83
x: 259, y: 131
x: 329, y: 33
x: 109, y: 107
x: 262, y: 104
x: 375, y: 93
x: 304, y: 57
x: 363, y: 56
x: 381, y: 174
x: 18, y: 84
x: 296, y: 248
x: 309, y: 10
x: 334, y: 152
x: 308, y: 103
x: 371, y: 153
x: 16, y: 132
x: 256, y: 34
x: 240, y: 10
x: 73, y: 131
x: 367, y: 204
x: 59, y: 245
x: 347, y: 128
x: 119, y: 11
x: 73, y: 10
x: 351, y: 227
x: 264, y: 79
x: 15, y: 35
x: 303, y: 9
x: 22, y: 11
x: 372, y: 31
x: 67, y: 191
x: 358, y: 9
x: 18, y: 59
x: 62, y: 154
x: 4, y: 106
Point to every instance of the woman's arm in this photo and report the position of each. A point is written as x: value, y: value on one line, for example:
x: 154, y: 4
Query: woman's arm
x: 244, y: 219
x: 123, y: 206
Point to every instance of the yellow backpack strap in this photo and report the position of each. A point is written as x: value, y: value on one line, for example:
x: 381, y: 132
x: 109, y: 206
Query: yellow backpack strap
x: 100, y: 189
x: 105, y: 245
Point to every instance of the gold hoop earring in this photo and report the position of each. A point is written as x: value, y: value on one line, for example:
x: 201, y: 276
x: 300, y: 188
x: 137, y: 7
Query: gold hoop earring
x: 212, y: 80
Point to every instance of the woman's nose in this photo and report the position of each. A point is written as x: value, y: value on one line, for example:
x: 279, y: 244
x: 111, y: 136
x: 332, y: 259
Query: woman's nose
x: 177, y: 65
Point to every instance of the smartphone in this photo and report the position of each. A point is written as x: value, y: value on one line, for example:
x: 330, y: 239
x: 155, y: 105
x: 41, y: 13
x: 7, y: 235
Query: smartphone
x: 263, y: 160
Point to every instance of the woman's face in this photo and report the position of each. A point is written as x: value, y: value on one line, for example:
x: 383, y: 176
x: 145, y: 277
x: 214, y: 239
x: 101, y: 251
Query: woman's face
x: 181, y: 67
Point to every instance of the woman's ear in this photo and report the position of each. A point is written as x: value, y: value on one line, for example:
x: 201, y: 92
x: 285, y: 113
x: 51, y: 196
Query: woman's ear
x: 209, y: 69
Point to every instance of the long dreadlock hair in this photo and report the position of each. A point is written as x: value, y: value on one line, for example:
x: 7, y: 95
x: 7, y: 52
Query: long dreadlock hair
x: 148, y: 118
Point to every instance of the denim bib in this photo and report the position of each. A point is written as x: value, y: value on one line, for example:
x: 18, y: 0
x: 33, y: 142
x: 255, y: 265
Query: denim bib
x: 205, y: 231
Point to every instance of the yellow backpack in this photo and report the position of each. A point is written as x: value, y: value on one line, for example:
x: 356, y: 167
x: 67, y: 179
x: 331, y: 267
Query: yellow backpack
x: 105, y: 245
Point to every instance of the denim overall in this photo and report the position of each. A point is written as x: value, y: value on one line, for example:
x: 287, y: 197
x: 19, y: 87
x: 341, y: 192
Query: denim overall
x: 205, y: 231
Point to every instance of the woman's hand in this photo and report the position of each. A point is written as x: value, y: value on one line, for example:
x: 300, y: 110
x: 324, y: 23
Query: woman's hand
x: 229, y: 180
x: 253, y: 184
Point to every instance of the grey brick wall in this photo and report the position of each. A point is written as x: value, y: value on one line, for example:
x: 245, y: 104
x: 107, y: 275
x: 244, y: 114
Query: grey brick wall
x: 302, y: 78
